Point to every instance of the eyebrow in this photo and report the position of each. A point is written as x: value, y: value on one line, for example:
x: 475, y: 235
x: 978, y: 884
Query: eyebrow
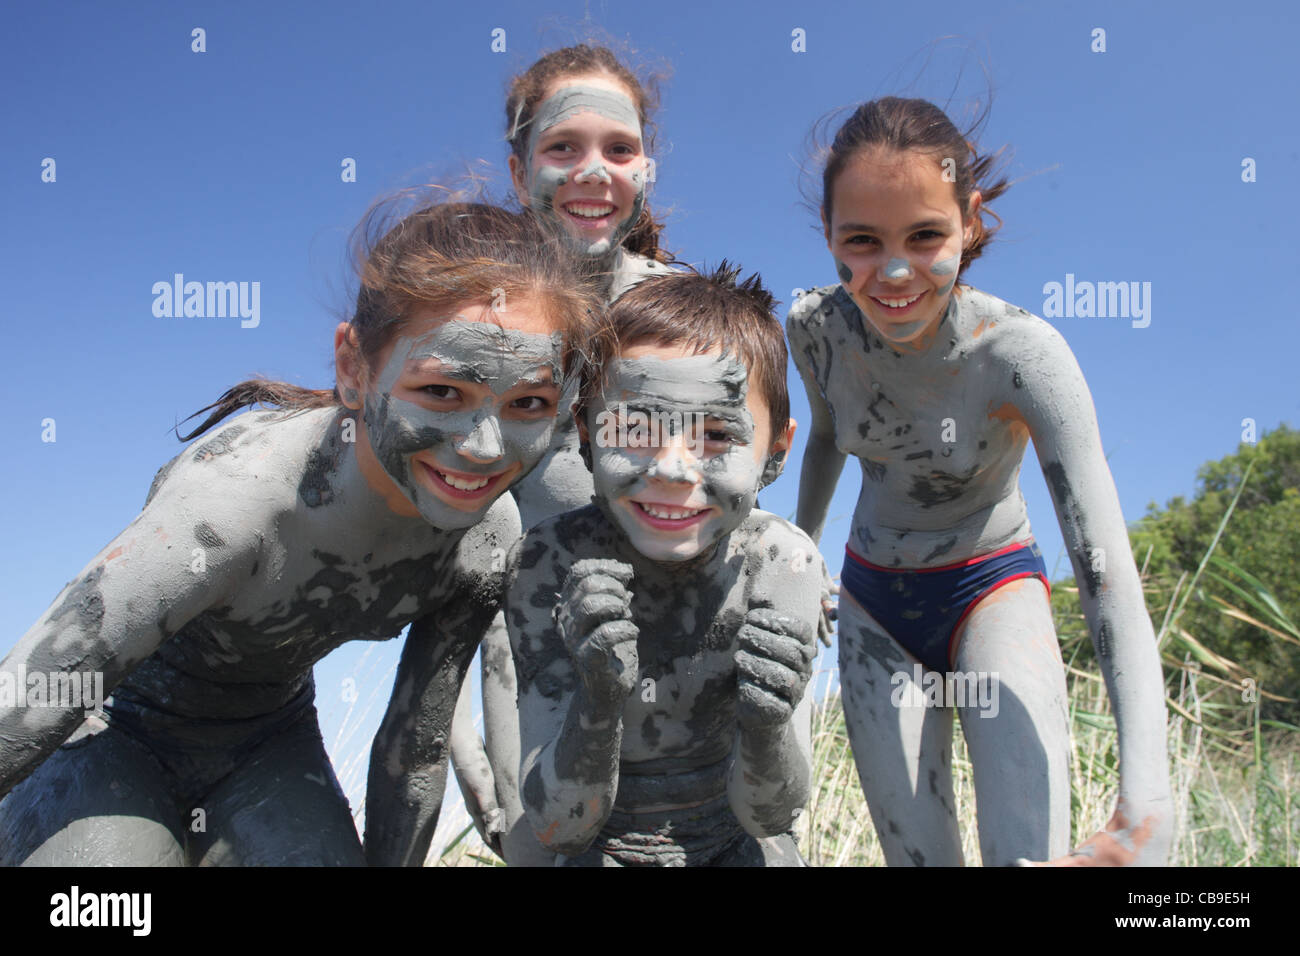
x: 550, y: 132
x: 862, y: 227
x: 463, y: 371
x: 541, y: 378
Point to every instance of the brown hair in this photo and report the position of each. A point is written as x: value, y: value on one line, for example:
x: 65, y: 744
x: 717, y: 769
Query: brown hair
x: 915, y: 124
x: 435, y: 259
x: 529, y: 88
x: 707, y: 311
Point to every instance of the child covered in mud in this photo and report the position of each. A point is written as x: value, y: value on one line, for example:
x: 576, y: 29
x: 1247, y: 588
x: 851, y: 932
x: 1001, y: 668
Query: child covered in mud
x: 937, y: 388
x: 339, y: 515
x: 664, y: 635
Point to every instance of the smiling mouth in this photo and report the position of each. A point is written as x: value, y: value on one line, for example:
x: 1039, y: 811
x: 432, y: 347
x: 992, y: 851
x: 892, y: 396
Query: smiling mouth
x: 463, y: 487
x: 590, y: 213
x: 669, y: 517
x: 899, y: 305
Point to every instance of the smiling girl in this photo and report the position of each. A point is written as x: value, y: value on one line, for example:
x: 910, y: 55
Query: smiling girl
x: 937, y: 388
x: 343, y: 514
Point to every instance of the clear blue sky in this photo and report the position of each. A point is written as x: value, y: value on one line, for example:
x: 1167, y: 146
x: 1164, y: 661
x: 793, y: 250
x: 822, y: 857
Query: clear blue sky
x: 225, y: 165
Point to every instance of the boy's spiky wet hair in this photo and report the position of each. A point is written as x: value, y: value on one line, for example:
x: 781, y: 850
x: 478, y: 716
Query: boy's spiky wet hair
x: 706, y: 311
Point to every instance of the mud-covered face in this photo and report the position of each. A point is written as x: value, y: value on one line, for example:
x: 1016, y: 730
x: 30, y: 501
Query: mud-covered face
x: 679, y: 447
x: 586, y: 170
x: 461, y: 408
x: 897, y: 236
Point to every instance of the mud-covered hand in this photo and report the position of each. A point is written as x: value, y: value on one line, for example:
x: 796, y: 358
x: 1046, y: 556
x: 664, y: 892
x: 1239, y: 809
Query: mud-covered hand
x: 830, y: 609
x: 773, y: 664
x: 594, y: 616
x: 1140, y: 842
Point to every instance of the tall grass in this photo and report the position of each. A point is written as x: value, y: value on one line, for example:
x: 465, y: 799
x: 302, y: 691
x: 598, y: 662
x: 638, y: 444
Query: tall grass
x: 1235, y: 776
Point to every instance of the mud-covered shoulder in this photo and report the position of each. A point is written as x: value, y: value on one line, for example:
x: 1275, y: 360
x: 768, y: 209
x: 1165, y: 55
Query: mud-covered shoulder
x: 783, y: 566
x: 482, y: 556
x: 811, y: 309
x: 564, y: 538
x: 634, y: 268
x: 1022, y: 354
x: 237, y: 488
x: 805, y: 327
x: 270, y: 449
x: 539, y: 564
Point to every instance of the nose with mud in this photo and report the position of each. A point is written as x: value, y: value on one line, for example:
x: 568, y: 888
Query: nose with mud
x: 595, y: 172
x: 897, y: 269
x: 675, y: 463
x: 484, y: 443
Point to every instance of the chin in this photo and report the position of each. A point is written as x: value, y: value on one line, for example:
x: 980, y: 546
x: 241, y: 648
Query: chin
x: 670, y: 554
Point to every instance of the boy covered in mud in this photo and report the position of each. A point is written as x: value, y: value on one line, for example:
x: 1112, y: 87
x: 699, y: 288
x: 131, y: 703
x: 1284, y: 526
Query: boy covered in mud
x: 664, y: 635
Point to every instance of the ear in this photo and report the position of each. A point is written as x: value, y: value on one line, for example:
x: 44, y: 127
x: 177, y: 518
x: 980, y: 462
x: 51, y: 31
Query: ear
x: 976, y: 199
x: 519, y: 178
x: 785, y: 440
x: 349, y: 366
x: 584, y: 439
x: 777, y: 455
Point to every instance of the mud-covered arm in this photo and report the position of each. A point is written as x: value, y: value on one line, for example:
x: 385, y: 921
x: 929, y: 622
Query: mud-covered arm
x: 1054, y: 402
x: 822, y: 461
x: 474, y: 773
x: 575, y: 659
x: 179, y: 557
x: 770, y: 776
x: 408, y: 759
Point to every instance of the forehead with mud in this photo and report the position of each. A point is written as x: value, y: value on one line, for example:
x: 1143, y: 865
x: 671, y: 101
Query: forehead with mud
x: 569, y: 101
x: 713, y: 385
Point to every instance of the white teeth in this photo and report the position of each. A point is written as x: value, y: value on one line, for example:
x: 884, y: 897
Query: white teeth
x: 590, y: 212
x: 674, y: 514
x: 899, y: 303
x: 461, y: 484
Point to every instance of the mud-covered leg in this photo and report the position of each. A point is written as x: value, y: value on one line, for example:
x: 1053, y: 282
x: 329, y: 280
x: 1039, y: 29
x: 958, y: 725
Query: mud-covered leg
x: 501, y: 735
x: 902, y: 747
x: 1017, y: 731
x: 99, y: 800
x: 282, y: 807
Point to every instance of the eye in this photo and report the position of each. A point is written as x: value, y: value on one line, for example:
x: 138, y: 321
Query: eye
x: 532, y: 403
x: 859, y: 240
x: 925, y: 235
x: 445, y: 393
x: 719, y: 435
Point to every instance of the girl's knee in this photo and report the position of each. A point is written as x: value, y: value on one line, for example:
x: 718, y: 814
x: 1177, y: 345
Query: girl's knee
x: 99, y: 800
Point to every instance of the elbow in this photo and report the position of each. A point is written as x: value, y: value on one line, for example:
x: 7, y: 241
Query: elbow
x: 769, y: 818
x: 569, y: 847
x: 768, y: 822
x: 554, y: 836
x: 558, y: 827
